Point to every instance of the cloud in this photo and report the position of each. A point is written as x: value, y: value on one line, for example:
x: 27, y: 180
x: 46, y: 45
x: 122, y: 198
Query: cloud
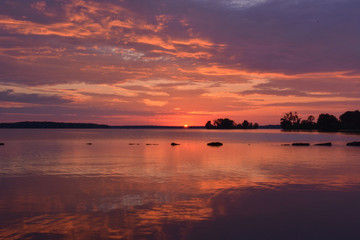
x: 11, y: 96
x: 149, y: 102
x: 286, y: 36
x: 317, y: 85
x: 320, y: 104
x: 40, y: 5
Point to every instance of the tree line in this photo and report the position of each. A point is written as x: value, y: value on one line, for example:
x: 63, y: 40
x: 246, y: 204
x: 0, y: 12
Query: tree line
x: 349, y: 120
x: 226, y: 123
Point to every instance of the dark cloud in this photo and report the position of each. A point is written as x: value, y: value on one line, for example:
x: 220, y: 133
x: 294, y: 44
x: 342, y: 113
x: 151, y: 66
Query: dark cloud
x: 49, y: 12
x: 11, y: 96
x: 311, y: 86
x: 275, y: 92
x: 288, y: 36
x: 340, y: 103
x: 78, y: 111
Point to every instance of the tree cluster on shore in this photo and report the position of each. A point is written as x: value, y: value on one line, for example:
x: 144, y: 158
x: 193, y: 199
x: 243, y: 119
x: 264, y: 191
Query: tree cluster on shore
x: 349, y: 120
x: 226, y: 123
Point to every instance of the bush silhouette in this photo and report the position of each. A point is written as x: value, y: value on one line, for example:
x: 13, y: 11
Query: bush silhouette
x: 350, y: 120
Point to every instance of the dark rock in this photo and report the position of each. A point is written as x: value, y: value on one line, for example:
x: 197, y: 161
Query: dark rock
x: 2, y: 144
x: 286, y: 144
x: 353, y: 144
x: 300, y: 144
x: 174, y: 144
x: 324, y: 144
x: 215, y: 144
x: 152, y: 144
x: 88, y: 143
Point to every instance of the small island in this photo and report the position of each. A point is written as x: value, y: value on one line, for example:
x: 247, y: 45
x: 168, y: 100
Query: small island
x: 348, y: 121
x: 226, y: 123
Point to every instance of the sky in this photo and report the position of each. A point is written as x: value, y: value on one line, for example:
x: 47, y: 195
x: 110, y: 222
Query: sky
x: 171, y: 62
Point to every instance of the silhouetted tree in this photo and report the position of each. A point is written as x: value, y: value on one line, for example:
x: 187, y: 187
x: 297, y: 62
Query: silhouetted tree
x: 208, y: 125
x: 309, y: 123
x: 224, y: 123
x: 245, y: 124
x: 327, y: 122
x: 350, y: 120
x: 290, y: 121
x: 311, y: 119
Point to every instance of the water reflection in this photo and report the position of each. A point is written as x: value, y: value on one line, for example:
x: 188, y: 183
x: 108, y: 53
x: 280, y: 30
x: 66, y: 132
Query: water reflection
x: 65, y: 189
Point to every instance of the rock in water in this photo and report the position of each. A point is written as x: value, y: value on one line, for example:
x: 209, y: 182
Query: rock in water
x: 353, y: 144
x: 2, y: 144
x: 300, y: 144
x: 215, y: 144
x: 324, y: 144
x: 174, y: 144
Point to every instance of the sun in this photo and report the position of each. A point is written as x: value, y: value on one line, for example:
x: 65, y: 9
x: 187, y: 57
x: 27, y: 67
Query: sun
x: 186, y: 126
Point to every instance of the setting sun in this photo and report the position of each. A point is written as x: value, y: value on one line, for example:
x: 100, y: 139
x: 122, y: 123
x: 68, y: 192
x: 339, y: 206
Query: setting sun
x: 186, y: 126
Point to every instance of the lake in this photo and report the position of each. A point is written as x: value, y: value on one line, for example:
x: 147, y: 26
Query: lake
x: 132, y: 184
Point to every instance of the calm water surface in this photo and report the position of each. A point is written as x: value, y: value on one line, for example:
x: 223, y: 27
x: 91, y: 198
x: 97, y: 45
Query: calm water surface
x: 55, y: 186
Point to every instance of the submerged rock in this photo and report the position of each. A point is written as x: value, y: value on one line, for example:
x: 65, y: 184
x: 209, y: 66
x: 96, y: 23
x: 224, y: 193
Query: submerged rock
x: 174, y: 144
x: 324, y: 144
x: 215, y: 144
x: 152, y: 144
x: 2, y: 144
x: 300, y: 144
x: 353, y: 144
x: 285, y: 144
x: 88, y: 143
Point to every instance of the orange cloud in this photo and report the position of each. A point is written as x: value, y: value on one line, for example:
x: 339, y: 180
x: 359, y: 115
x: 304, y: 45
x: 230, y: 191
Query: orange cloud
x: 153, y: 40
x: 152, y: 103
x: 180, y: 54
x: 60, y: 29
x: 197, y: 42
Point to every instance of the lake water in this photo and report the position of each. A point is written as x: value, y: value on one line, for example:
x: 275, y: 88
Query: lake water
x: 132, y: 184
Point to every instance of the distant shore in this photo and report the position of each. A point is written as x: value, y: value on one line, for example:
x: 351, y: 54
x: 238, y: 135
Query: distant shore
x: 63, y: 125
